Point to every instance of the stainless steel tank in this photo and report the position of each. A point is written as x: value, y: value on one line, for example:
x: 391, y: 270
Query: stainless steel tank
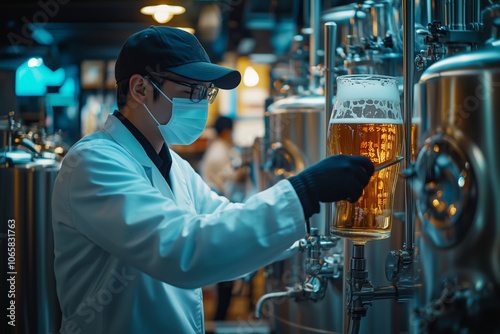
x: 28, y: 295
x: 295, y: 137
x: 458, y: 191
x: 295, y: 133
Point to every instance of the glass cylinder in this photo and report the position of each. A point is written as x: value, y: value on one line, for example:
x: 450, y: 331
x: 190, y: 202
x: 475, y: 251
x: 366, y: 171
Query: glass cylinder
x: 366, y: 121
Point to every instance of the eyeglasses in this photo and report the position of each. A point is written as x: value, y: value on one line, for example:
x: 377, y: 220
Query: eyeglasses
x: 198, y: 91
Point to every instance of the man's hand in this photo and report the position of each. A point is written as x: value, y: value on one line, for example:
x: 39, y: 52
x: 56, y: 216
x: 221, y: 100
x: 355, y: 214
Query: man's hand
x: 339, y: 177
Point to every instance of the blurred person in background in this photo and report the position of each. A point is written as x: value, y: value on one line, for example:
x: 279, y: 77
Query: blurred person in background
x: 217, y: 165
x: 219, y: 172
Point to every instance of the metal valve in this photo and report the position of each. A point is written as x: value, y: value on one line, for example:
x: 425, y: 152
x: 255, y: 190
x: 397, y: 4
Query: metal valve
x: 396, y: 263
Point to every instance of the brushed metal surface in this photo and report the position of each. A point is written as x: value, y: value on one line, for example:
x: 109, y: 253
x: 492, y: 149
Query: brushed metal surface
x: 459, y: 98
x: 26, y: 197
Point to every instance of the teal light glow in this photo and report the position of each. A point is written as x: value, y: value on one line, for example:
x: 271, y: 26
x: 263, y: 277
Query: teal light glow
x: 69, y: 87
x: 33, y: 77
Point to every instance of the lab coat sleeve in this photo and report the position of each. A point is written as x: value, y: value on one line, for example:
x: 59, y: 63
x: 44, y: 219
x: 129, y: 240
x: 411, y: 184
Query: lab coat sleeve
x: 115, y: 206
x: 210, y: 201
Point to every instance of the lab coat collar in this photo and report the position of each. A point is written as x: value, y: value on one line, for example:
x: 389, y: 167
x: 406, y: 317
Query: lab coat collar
x: 119, y: 132
x: 122, y: 136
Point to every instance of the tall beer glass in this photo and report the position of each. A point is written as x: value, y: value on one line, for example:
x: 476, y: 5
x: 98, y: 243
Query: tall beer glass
x: 366, y: 121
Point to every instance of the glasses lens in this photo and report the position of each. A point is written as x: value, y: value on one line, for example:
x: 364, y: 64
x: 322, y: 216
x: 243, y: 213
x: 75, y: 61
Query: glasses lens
x: 198, y: 93
x: 212, y: 94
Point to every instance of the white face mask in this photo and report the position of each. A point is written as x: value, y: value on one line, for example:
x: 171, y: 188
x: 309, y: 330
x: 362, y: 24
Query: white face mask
x: 187, y: 122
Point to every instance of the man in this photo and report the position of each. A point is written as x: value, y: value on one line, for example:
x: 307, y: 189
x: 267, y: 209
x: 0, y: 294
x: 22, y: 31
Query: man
x: 216, y: 165
x: 218, y: 172
x: 137, y: 232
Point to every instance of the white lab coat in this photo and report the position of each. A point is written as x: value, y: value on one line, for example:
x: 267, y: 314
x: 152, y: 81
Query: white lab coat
x: 131, y: 253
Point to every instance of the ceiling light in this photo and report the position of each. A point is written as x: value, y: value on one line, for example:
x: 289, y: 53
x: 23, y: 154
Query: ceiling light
x: 35, y: 62
x: 162, y: 13
x: 251, y: 77
x: 162, y: 16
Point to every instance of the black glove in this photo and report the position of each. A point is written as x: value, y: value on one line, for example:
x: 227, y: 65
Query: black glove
x: 339, y: 177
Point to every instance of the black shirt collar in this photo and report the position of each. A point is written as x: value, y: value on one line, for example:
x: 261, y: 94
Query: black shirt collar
x: 162, y: 160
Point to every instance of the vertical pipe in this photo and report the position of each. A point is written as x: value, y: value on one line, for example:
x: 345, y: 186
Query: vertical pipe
x: 314, y: 39
x: 476, y: 15
x: 345, y: 271
x: 454, y: 14
x: 408, y: 56
x: 314, y: 43
x: 330, y: 45
x: 10, y: 131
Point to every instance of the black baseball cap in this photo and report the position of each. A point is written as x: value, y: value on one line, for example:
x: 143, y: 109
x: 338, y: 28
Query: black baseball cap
x: 159, y: 49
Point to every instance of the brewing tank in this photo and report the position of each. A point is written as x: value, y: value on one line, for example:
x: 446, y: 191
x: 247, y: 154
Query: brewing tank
x: 296, y: 135
x: 457, y: 189
x: 295, y: 139
x: 28, y: 283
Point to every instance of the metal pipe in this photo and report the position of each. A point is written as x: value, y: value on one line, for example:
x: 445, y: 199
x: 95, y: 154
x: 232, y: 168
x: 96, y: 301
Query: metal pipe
x: 385, y: 292
x: 357, y: 285
x: 455, y: 14
x: 408, y: 56
x: 10, y: 131
x: 330, y: 46
x: 314, y: 43
x: 476, y: 14
x: 358, y: 251
x: 272, y: 295
x: 314, y: 38
x: 354, y: 326
x: 462, y: 14
x: 345, y: 276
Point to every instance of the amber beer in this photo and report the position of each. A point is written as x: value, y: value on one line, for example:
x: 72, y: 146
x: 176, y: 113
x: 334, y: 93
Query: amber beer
x: 382, y: 141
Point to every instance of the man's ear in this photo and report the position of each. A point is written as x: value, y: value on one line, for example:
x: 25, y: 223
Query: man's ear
x: 138, y: 86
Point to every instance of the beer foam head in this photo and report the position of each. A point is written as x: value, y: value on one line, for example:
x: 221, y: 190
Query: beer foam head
x: 367, y: 99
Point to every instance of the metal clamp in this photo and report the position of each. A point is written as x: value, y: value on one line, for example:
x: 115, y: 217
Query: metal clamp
x: 396, y: 264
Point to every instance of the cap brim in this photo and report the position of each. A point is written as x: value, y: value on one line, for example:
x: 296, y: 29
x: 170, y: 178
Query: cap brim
x: 222, y: 77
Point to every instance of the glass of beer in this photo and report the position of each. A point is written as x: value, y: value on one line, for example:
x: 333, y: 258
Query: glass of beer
x: 367, y: 121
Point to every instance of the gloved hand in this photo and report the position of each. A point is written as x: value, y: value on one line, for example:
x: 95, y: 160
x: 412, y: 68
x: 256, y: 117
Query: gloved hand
x: 339, y: 177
